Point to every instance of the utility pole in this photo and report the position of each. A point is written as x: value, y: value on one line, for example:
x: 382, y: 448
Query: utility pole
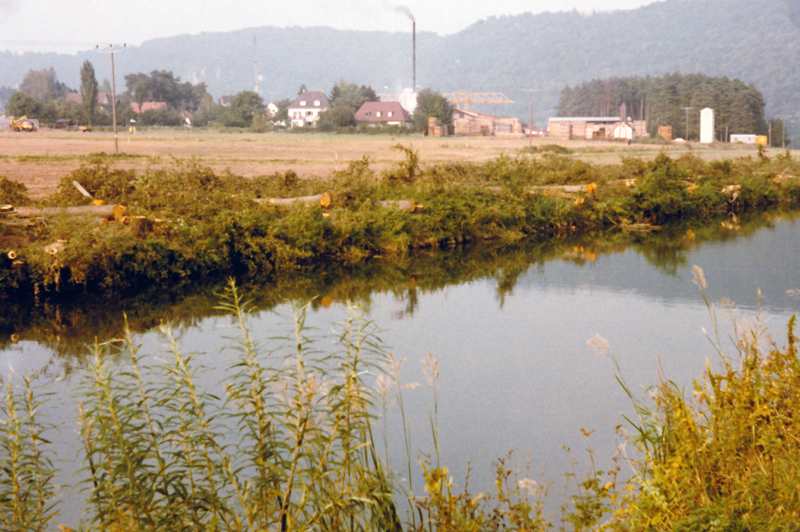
x: 111, y: 51
x: 769, y: 132
x: 530, y: 112
x: 687, y: 109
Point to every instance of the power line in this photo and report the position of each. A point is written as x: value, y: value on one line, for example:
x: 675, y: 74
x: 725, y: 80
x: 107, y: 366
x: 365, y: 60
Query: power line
x: 530, y: 112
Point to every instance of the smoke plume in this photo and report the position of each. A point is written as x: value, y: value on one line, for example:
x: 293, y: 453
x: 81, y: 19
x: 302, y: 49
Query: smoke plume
x: 400, y: 9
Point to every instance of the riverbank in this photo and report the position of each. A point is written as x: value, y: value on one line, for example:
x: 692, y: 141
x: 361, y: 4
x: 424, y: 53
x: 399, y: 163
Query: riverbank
x: 186, y: 223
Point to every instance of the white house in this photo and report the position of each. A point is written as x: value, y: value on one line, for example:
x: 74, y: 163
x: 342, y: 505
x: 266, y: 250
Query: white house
x: 305, y: 110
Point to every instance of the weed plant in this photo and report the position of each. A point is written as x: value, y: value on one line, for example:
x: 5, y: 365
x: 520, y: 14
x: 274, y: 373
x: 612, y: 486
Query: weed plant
x: 725, y: 456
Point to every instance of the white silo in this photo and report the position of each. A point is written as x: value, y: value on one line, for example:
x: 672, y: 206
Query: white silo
x: 707, y: 126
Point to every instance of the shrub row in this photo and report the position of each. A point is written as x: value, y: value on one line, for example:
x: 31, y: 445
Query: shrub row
x: 214, y: 228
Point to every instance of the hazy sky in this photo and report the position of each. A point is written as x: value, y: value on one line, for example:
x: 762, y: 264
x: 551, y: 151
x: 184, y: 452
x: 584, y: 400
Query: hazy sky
x: 72, y: 25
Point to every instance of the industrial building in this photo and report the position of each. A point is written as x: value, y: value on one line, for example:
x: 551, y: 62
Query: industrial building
x: 470, y: 123
x: 596, y: 127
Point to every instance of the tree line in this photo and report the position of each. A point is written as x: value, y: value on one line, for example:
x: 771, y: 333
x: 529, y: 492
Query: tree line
x: 676, y: 100
x: 41, y: 95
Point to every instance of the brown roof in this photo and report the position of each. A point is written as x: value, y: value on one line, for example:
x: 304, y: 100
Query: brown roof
x: 377, y: 112
x: 311, y: 98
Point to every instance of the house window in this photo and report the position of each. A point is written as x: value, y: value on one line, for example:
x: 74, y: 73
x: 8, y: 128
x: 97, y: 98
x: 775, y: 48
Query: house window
x: 390, y: 113
x: 316, y: 103
x: 367, y: 113
x: 378, y: 114
x: 303, y: 103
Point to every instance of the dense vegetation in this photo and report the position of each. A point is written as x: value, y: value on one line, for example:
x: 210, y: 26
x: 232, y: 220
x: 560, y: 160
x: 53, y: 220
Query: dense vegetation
x: 197, y: 225
x: 296, y: 443
x: 738, y: 107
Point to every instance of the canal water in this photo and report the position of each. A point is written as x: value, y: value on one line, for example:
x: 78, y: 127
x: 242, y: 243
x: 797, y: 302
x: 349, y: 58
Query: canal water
x: 508, y: 327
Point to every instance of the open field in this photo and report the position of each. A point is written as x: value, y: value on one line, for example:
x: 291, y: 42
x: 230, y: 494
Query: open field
x: 40, y: 159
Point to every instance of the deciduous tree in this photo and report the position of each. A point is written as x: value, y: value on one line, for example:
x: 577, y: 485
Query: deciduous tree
x: 243, y: 108
x: 43, y: 85
x: 22, y: 104
x: 432, y: 103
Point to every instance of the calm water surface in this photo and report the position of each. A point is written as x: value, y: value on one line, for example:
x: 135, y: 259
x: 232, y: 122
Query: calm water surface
x: 516, y: 371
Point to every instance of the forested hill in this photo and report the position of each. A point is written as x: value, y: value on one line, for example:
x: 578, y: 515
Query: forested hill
x: 754, y: 40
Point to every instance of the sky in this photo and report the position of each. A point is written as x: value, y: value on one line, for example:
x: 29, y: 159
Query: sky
x: 75, y: 25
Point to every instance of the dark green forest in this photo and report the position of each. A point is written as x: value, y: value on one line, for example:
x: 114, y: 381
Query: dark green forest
x: 676, y: 100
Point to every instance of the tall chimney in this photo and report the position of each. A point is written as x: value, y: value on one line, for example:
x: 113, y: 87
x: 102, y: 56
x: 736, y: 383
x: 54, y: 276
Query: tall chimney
x: 414, y: 41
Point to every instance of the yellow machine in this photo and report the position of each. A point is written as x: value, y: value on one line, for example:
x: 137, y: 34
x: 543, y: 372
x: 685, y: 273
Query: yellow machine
x: 21, y: 124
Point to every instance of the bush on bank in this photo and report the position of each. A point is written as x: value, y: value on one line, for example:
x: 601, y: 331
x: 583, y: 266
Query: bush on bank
x: 210, y: 225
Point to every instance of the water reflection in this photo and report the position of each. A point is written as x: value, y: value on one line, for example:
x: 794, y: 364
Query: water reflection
x: 66, y: 328
x: 510, y: 326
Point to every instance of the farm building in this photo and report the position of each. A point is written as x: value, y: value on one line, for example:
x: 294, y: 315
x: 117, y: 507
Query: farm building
x: 596, y: 127
x: 472, y: 124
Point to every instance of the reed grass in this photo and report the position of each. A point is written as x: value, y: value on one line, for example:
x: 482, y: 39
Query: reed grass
x: 290, y: 443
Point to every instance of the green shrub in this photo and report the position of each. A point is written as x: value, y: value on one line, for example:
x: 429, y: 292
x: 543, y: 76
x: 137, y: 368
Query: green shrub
x: 13, y: 193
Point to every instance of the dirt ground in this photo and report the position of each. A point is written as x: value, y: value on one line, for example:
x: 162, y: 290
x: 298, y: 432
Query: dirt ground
x: 41, y: 159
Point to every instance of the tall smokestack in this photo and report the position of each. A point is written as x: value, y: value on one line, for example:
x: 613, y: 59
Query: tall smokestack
x: 407, y: 12
x: 414, y: 42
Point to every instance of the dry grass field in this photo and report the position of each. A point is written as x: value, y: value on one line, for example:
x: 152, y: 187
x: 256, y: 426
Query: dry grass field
x: 40, y: 159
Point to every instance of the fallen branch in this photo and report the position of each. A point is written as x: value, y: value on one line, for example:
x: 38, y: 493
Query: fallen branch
x: 400, y: 205
x: 324, y: 200
x: 94, y: 211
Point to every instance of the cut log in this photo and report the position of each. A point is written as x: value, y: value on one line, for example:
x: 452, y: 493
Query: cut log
x: 324, y: 200
x: 399, y: 205
x: 94, y: 211
x: 55, y: 247
x: 561, y: 188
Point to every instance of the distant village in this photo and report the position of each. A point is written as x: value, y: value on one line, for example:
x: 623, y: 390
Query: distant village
x: 191, y: 106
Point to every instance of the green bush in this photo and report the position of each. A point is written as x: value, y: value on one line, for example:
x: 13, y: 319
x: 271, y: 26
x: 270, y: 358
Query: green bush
x: 13, y: 193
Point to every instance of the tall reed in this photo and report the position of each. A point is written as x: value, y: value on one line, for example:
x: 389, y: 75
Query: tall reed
x: 27, y: 492
x: 290, y: 446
